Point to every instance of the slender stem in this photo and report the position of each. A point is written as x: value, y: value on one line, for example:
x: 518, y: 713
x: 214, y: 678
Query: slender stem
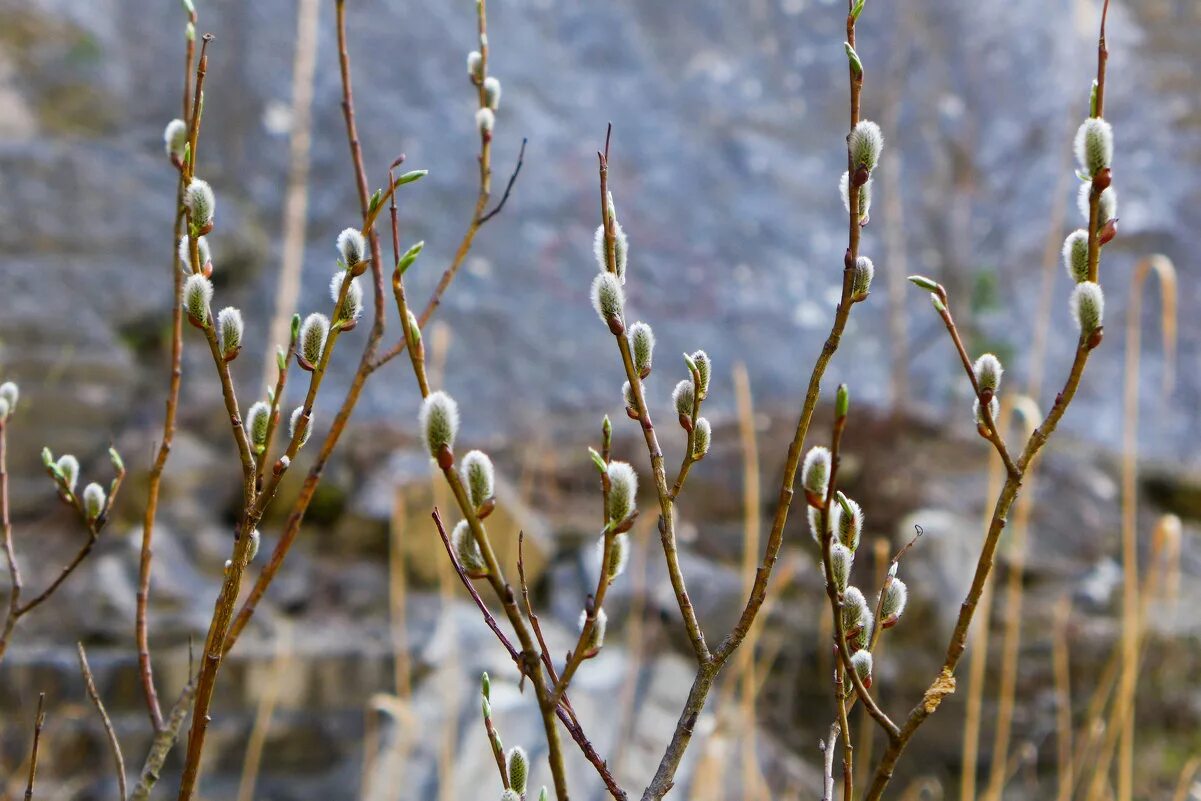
x: 6, y: 532
x: 39, y: 721
x: 163, y: 742
x: 666, y: 513
x: 114, y: 745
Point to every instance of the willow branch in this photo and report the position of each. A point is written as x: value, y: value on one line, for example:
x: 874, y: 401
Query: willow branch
x: 114, y: 745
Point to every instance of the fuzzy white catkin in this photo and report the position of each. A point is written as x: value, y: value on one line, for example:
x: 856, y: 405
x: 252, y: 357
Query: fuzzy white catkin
x: 682, y: 397
x: 229, y: 330
x: 841, y: 560
x: 197, y: 294
x: 894, y: 599
x: 313, y: 334
x: 352, y: 304
x: 866, y: 142
x: 862, y: 662
x: 994, y: 409
x: 642, y: 341
x: 704, y: 368
x: 815, y: 471
x: 175, y: 137
x: 1107, y: 204
x: 258, y: 419
x: 352, y: 248
x: 855, y: 611
x: 475, y: 64
x: 608, y: 298
x: 702, y: 433
x: 256, y: 540
x: 519, y: 768
x: 619, y: 554
x: 201, y: 202
x: 439, y: 422
x: 1094, y: 146
x: 479, y: 476
x: 627, y: 394
x: 485, y: 120
x: 847, y: 527
x: 988, y: 372
x: 492, y: 92
x: 815, y: 524
x: 10, y: 393
x: 1088, y: 306
x: 297, y: 415
x: 1075, y: 255
x: 861, y: 282
x: 623, y: 491
x: 467, y: 549
x: 621, y: 248
x: 865, y: 196
x: 185, y: 252
x: 68, y: 466
x: 597, y: 640
x: 5, y: 407
x: 510, y: 795
x: 93, y: 500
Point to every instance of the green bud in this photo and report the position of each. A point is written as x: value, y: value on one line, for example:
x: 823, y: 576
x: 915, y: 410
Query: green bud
x: 411, y: 176
x: 857, y: 9
x: 47, y: 458
x: 486, y: 686
x: 295, y: 332
x: 842, y: 401
x: 116, y: 460
x: 922, y: 282
x: 598, y: 461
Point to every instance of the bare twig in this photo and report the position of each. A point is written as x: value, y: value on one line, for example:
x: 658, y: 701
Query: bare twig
x: 164, y: 741
x: 114, y: 745
x: 39, y: 721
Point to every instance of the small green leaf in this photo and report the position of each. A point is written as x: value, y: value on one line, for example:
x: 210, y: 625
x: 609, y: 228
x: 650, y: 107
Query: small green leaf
x: 853, y: 57
x: 188, y: 7
x: 925, y: 283
x: 409, y: 257
x: 857, y: 10
x: 115, y: 458
x: 486, y: 688
x: 1092, y: 100
x: 373, y: 204
x: 189, y: 32
x: 47, y: 458
x: 939, y: 306
x: 598, y: 461
x: 410, y: 177
x: 295, y: 326
x: 281, y: 358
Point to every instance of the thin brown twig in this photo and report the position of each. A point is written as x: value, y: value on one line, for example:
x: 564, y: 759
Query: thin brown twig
x: 39, y: 721
x: 114, y: 745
